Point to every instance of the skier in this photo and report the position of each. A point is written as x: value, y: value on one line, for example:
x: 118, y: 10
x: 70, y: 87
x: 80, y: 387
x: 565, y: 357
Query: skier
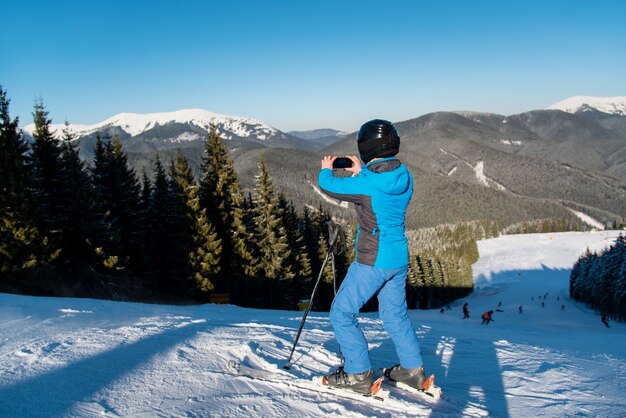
x: 465, y: 311
x: 487, y: 317
x: 604, y: 320
x: 381, y: 188
x: 520, y: 309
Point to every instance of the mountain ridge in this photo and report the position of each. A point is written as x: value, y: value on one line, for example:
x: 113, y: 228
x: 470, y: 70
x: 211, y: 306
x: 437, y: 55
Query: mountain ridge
x: 466, y: 165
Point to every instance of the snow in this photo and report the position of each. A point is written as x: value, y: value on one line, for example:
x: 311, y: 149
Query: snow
x: 510, y: 142
x: 480, y: 174
x: 136, y: 123
x: 613, y: 105
x: 587, y: 219
x: 479, y: 170
x: 85, y: 358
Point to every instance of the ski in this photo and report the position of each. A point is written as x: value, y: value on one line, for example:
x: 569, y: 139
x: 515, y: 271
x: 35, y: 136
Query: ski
x: 377, y: 392
x: 386, y: 394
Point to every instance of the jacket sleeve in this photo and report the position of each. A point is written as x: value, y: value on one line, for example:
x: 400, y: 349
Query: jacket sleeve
x: 347, y: 189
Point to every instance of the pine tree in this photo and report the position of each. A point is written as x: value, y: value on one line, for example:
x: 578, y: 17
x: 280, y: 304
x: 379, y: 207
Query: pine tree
x: 310, y: 234
x: 160, y: 233
x: 619, y: 294
x: 201, y: 243
x: 429, y: 282
x: 271, y: 240
x: 414, y: 283
x: 46, y: 163
x: 144, y: 219
x: 127, y: 194
x: 107, y: 235
x: 76, y: 219
x: 18, y: 234
x: 14, y: 164
x: 221, y: 196
x: 298, y: 258
x: 116, y: 195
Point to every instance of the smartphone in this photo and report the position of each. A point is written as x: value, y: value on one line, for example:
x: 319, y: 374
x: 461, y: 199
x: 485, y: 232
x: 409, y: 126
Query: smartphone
x: 342, y: 162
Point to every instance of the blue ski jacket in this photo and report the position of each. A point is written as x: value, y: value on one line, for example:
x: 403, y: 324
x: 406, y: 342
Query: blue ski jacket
x: 381, y: 192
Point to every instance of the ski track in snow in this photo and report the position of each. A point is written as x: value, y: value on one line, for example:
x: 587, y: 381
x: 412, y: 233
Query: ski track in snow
x: 86, y: 358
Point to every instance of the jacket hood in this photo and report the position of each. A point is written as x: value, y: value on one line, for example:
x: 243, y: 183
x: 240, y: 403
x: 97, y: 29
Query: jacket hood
x: 388, y: 175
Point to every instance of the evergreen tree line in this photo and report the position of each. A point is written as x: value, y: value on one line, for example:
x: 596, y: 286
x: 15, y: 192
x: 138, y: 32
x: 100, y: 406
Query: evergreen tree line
x: 599, y: 280
x: 68, y: 229
x: 440, y: 265
x: 542, y: 226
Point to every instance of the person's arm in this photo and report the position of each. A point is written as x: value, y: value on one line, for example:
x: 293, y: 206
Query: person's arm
x: 347, y: 189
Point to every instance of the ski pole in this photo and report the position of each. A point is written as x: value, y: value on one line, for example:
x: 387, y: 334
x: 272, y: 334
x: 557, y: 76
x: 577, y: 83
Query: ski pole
x: 333, y: 232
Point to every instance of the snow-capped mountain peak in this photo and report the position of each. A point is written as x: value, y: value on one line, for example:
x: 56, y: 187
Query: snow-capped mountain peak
x: 137, y: 123
x: 613, y: 105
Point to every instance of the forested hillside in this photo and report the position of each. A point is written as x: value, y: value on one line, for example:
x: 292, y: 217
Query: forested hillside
x: 182, y: 232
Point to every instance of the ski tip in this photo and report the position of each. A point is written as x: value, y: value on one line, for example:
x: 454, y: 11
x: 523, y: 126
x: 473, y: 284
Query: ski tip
x: 429, y: 383
x: 324, y: 380
x: 377, y: 385
x: 430, y: 389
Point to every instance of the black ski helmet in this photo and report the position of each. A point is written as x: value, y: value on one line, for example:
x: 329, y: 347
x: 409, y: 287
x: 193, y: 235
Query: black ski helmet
x: 377, y: 138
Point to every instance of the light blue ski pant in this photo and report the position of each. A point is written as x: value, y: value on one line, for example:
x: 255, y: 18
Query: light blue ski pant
x: 360, y: 284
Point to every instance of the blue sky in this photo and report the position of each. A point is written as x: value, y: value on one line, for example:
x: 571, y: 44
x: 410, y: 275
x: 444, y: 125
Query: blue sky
x: 308, y: 64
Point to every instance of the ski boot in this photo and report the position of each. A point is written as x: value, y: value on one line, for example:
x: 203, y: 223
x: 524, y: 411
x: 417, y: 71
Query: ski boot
x: 411, y: 377
x: 358, y: 382
x: 414, y: 379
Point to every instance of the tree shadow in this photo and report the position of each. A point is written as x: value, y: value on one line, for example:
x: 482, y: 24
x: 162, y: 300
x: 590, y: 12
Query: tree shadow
x: 486, y: 389
x: 466, y: 363
x: 55, y: 393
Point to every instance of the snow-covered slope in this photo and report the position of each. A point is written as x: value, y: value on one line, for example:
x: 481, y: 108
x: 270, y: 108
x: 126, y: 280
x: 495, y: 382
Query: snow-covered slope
x: 613, y: 105
x: 88, y: 358
x: 135, y: 123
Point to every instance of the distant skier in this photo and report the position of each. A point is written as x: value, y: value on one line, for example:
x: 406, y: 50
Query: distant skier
x: 543, y: 305
x: 520, y: 309
x: 487, y: 317
x: 562, y: 307
x: 441, y: 311
x: 465, y: 311
x: 604, y: 320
